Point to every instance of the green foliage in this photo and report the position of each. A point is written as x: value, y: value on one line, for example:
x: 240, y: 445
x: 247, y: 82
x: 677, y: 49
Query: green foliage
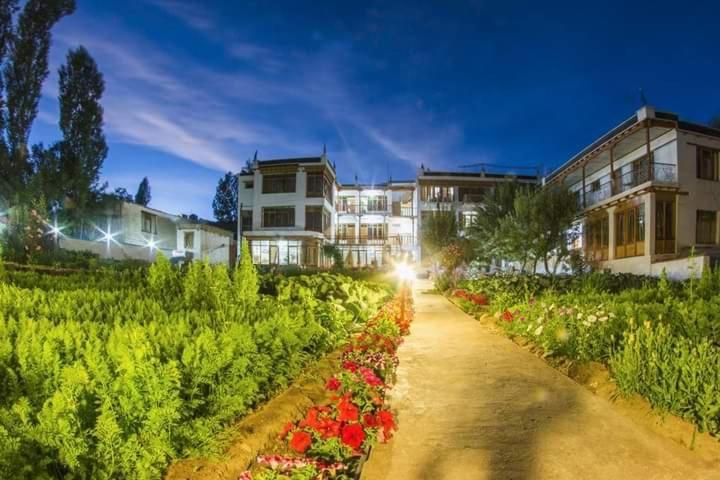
x: 143, y: 195
x: 112, y: 374
x: 438, y: 229
x: 334, y: 252
x: 245, y: 280
x: 225, y: 203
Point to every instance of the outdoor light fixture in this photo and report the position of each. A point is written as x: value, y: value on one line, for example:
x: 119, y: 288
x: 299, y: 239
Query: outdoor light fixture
x: 152, y: 244
x: 404, y: 272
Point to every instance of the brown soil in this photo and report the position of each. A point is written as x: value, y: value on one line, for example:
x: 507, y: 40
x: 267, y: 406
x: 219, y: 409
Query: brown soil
x: 257, y: 432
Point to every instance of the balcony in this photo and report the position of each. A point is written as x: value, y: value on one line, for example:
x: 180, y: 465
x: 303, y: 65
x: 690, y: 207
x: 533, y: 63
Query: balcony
x: 394, y: 240
x: 345, y: 208
x: 623, y: 182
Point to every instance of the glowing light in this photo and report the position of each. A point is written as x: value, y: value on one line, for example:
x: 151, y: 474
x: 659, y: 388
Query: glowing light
x: 107, y: 236
x: 54, y: 229
x: 151, y: 244
x: 404, y: 272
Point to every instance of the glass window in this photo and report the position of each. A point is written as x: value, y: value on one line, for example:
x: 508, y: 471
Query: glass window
x: 189, y: 240
x: 313, y: 219
x: 279, y: 217
x: 149, y: 222
x: 706, y: 227
x: 630, y: 231
x: 246, y: 220
x: 315, y: 185
x: 279, y: 183
x: 664, y: 227
x: 707, y: 163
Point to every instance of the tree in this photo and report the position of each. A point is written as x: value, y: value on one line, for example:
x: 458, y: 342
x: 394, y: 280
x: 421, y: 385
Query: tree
x: 24, y: 74
x: 439, y: 229
x: 83, y: 148
x: 492, y: 229
x: 556, y: 211
x: 225, y: 203
x: 143, y: 196
x: 245, y: 279
x: 122, y: 194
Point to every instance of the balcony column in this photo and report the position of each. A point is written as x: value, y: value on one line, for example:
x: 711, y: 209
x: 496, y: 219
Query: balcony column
x: 612, y: 170
x: 584, y: 201
x: 650, y: 224
x: 649, y: 150
x: 611, y: 233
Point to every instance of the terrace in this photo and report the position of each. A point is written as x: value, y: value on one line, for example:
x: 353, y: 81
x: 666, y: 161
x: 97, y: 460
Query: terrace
x: 637, y: 155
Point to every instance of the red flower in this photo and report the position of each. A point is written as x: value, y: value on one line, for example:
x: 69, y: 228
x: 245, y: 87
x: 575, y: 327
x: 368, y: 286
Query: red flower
x: 507, y: 316
x: 388, y: 422
x: 286, y: 429
x: 371, y: 420
x: 333, y: 384
x: 300, y: 441
x: 329, y: 428
x: 347, y: 411
x: 353, y: 435
x: 348, y: 365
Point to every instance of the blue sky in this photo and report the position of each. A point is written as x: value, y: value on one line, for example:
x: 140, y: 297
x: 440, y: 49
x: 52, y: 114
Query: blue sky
x: 193, y: 88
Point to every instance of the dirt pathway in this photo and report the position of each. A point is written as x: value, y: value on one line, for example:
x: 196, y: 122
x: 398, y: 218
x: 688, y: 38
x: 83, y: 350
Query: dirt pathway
x: 473, y: 405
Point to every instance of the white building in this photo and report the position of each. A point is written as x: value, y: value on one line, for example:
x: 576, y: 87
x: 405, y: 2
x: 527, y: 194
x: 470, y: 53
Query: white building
x: 649, y: 191
x: 128, y: 231
x: 292, y: 208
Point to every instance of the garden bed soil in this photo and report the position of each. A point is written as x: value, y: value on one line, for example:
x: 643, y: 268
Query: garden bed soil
x: 256, y: 432
x: 596, y: 378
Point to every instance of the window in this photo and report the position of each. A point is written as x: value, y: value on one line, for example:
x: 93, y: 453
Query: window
x: 630, y: 231
x: 346, y: 232
x: 313, y: 219
x: 467, y: 219
x: 664, y: 226
x: 315, y: 185
x: 246, y: 216
x: 435, y: 193
x: 472, y: 194
x: 318, y: 185
x: 705, y: 227
x: 346, y: 205
x: 375, y: 231
x: 149, y: 222
x: 377, y: 203
x: 279, y: 183
x: 327, y: 224
x: 249, y: 185
x: 189, y: 240
x: 707, y: 163
x: 277, y: 252
x: 597, y: 238
x: 279, y: 217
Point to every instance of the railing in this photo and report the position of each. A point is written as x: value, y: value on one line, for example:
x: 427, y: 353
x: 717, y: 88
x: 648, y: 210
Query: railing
x: 659, y: 172
x: 346, y: 208
x: 396, y: 240
x: 473, y: 198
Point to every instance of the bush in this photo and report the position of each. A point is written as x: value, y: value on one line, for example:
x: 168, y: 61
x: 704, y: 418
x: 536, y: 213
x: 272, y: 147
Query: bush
x: 112, y: 374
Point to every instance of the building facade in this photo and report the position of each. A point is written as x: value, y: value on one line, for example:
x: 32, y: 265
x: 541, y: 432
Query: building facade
x: 293, y: 208
x: 649, y: 193
x: 127, y: 231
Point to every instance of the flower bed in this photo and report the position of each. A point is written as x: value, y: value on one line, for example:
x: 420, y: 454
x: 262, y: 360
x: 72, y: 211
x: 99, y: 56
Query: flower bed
x: 332, y: 440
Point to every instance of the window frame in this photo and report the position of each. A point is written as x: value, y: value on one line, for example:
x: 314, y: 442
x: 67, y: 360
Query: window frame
x: 276, y: 211
x: 713, y: 227
x: 707, y: 171
x: 145, y: 215
x: 279, y: 183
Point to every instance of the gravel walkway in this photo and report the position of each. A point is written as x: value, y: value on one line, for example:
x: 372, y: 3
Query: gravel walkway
x: 473, y: 405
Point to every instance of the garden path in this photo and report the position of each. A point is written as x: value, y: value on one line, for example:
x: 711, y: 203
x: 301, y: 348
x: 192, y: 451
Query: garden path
x: 473, y: 405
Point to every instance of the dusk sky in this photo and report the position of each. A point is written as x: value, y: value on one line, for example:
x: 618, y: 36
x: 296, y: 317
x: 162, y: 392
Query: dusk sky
x: 193, y: 88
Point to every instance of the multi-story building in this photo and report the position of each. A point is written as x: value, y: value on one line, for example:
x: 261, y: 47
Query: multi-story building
x: 287, y: 209
x: 649, y: 193
x: 460, y: 192
x: 291, y: 208
x: 376, y: 222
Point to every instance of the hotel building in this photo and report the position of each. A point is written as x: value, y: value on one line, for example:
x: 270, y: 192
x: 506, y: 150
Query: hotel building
x: 291, y: 208
x: 649, y: 193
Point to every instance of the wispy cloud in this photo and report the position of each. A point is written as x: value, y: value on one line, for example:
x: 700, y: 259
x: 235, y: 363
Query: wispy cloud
x: 190, y: 13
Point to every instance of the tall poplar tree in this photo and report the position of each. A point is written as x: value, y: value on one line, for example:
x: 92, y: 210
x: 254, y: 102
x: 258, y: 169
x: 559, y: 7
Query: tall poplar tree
x: 25, y: 70
x: 225, y: 203
x: 143, y: 196
x: 83, y: 148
